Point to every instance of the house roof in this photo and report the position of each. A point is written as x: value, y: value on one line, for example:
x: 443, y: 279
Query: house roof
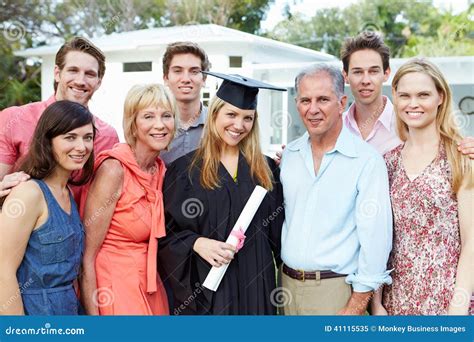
x: 149, y: 38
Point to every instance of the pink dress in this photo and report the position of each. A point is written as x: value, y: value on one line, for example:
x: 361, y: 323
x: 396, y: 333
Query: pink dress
x: 126, y: 267
x: 426, y: 244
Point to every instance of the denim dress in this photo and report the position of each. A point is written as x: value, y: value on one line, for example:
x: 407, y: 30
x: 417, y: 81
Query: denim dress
x: 52, y: 261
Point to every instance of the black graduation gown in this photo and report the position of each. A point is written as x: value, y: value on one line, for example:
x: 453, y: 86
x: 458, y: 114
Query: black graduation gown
x: 192, y: 212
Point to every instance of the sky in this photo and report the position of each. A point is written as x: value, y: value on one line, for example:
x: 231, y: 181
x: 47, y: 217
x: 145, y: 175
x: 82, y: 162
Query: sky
x: 309, y: 7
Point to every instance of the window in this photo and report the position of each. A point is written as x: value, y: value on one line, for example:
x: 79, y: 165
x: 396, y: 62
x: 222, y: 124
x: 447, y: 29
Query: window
x: 137, y: 67
x: 295, y: 126
x: 276, y: 117
x: 205, y: 98
x: 235, y: 61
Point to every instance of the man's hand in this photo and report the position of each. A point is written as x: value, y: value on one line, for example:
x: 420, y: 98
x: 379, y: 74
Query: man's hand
x: 357, y: 304
x: 11, y: 180
x: 466, y: 147
x: 277, y: 158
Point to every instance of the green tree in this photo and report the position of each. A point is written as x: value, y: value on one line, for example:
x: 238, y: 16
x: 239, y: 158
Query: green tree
x: 409, y: 28
x: 32, y: 23
x: 244, y: 15
x: 453, y: 37
x: 324, y: 32
x: 19, y: 80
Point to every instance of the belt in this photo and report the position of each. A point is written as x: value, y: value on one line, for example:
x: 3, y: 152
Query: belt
x: 303, y: 275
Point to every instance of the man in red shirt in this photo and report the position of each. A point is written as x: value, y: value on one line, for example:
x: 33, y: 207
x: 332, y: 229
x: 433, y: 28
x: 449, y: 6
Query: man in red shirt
x: 78, y: 73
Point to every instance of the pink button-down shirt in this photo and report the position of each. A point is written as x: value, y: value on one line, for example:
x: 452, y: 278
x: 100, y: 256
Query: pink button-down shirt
x: 17, y: 125
x: 383, y: 136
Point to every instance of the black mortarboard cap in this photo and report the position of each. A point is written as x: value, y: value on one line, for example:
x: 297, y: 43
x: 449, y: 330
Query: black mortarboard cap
x: 240, y: 91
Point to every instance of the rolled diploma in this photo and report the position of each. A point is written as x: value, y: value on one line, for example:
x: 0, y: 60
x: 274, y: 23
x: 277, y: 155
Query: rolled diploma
x: 216, y: 274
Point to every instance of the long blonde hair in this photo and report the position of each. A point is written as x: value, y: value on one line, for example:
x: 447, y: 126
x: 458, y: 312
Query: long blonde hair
x: 461, y: 165
x: 210, y: 148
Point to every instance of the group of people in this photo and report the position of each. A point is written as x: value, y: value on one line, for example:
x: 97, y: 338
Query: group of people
x: 371, y: 209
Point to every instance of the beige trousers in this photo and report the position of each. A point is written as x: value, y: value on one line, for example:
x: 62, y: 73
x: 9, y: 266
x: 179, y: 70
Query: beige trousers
x: 314, y: 297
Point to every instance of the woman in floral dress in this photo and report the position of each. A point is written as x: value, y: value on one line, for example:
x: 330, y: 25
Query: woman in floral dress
x: 432, y: 198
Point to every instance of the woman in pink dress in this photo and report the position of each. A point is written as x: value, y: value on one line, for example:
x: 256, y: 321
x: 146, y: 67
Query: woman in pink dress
x: 432, y: 198
x: 123, y: 213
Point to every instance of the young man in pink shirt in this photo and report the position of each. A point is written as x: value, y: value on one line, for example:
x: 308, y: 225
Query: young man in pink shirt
x: 365, y: 60
x: 78, y: 73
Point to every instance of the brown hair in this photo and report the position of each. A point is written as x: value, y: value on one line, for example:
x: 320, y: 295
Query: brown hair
x: 82, y: 45
x: 58, y: 118
x: 209, y: 152
x: 461, y: 165
x: 179, y: 48
x: 365, y: 40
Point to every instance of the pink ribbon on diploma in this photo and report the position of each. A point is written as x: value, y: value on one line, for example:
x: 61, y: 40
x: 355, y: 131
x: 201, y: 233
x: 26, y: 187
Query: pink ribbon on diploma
x: 239, y: 234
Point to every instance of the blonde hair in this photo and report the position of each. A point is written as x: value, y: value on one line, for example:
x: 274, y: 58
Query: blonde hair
x: 461, y: 165
x: 210, y: 148
x: 142, y: 96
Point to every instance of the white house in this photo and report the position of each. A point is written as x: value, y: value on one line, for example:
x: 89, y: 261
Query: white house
x: 286, y: 125
x: 232, y: 51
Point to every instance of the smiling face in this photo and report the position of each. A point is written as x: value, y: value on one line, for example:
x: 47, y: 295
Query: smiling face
x: 417, y: 100
x: 184, y: 77
x: 78, y: 79
x: 234, y: 124
x: 318, y: 105
x: 154, y: 129
x: 73, y: 149
x: 366, y: 76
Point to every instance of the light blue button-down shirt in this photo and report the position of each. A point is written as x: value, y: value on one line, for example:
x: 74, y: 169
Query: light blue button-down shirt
x: 341, y: 218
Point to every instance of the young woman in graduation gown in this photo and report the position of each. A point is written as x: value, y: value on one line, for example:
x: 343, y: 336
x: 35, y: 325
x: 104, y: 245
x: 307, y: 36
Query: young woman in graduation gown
x: 204, y: 193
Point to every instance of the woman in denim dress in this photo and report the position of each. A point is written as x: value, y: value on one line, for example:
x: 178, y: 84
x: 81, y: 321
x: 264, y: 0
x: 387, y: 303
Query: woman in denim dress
x: 41, y: 235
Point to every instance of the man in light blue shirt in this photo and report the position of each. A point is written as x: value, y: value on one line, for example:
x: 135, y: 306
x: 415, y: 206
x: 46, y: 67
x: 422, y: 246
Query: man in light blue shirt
x: 337, y: 233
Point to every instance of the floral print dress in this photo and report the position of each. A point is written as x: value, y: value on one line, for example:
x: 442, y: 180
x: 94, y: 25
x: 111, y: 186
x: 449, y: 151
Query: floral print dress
x: 426, y: 244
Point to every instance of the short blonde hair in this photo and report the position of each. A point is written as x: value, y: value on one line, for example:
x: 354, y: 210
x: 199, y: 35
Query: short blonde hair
x: 142, y: 96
